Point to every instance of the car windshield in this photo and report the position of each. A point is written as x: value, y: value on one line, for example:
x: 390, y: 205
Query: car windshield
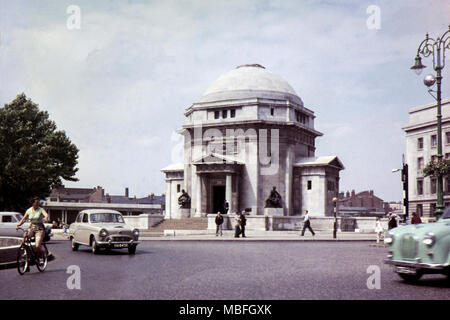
x: 106, y: 217
x: 18, y: 216
x: 446, y: 214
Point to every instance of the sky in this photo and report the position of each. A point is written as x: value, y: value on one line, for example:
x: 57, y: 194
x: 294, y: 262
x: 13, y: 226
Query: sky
x: 120, y: 83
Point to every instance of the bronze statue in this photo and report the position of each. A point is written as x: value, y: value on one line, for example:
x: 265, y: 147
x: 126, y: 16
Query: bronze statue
x: 274, y: 200
x: 184, y: 200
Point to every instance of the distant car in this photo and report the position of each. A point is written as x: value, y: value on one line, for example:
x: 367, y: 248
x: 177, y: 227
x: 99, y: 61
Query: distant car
x: 418, y: 249
x: 102, y: 228
x: 9, y: 221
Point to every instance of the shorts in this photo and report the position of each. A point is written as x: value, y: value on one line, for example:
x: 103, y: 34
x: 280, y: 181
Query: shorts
x: 36, y: 230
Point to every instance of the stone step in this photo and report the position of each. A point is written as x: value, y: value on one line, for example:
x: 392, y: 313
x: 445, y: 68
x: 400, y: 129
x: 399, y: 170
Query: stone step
x: 180, y: 224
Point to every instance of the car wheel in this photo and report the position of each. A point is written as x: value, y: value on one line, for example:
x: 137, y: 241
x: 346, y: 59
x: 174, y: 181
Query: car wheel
x: 132, y: 249
x: 95, y: 247
x: 74, y: 245
x: 411, y: 278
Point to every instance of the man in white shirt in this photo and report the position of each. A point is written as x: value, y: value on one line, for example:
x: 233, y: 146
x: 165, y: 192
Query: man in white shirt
x: 307, y: 223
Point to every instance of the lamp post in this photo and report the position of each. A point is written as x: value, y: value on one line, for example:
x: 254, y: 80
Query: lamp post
x: 404, y: 172
x: 335, y: 226
x: 436, y: 49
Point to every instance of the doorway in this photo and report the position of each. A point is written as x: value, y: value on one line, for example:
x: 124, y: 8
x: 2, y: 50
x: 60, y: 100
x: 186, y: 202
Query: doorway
x: 218, y: 193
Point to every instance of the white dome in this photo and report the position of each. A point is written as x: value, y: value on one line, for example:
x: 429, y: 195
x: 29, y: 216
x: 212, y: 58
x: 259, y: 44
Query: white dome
x: 247, y: 81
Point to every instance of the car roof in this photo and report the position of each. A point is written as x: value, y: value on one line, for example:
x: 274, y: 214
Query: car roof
x: 91, y: 211
x: 8, y: 212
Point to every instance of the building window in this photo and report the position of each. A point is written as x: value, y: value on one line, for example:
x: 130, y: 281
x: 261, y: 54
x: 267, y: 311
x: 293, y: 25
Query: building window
x: 420, y: 143
x: 309, y: 184
x: 216, y: 114
x: 232, y: 113
x: 419, y: 210
x: 447, y: 184
x: 178, y: 187
x: 224, y: 114
x: 433, y: 141
x: 447, y: 135
x: 432, y: 209
x: 419, y: 186
x: 420, y: 163
x: 433, y: 186
x: 271, y: 111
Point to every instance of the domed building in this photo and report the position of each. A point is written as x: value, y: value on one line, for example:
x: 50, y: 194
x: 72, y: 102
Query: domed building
x: 248, y: 133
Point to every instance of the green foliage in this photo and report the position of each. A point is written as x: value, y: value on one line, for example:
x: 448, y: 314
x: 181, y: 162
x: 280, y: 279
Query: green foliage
x: 437, y: 168
x: 34, y: 155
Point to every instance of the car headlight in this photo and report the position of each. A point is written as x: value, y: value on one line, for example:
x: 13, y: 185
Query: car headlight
x: 429, y: 239
x: 389, y: 238
x: 103, y: 233
x: 136, y: 233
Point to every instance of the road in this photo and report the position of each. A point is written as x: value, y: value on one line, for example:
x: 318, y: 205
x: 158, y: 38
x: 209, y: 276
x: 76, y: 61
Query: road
x: 220, y: 270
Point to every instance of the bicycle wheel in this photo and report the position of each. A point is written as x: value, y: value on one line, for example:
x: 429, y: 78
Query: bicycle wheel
x: 23, y: 259
x: 41, y: 262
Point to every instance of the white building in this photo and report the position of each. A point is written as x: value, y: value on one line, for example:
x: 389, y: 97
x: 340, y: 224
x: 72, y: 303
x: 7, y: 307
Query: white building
x: 421, y: 147
x: 249, y: 132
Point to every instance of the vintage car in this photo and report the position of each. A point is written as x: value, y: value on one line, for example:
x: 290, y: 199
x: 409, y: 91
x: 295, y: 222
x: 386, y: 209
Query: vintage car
x: 9, y: 221
x: 418, y: 249
x: 102, y: 228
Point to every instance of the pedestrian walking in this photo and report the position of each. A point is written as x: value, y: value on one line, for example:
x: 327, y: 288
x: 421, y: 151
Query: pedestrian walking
x: 243, y: 223
x: 378, y: 229
x: 415, y: 219
x: 307, y: 223
x: 237, y: 221
x: 392, y: 223
x: 219, y: 222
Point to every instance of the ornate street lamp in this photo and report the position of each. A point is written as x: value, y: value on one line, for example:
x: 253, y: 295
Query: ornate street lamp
x: 436, y: 49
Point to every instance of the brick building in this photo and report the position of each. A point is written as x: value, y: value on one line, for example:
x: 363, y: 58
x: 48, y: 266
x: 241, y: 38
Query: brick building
x: 365, y: 201
x: 65, y: 203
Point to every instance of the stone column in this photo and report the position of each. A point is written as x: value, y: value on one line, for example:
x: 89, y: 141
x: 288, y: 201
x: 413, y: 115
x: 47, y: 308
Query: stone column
x: 228, y: 189
x: 198, y: 212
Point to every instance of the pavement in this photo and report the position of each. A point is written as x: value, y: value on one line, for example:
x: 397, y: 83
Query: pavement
x: 172, y: 270
x: 228, y: 235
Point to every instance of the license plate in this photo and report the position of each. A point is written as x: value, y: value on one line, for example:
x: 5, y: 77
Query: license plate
x: 405, y: 270
x: 120, y: 245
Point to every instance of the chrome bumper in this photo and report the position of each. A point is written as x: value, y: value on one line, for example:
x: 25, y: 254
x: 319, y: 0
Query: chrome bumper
x: 112, y: 243
x: 415, y: 265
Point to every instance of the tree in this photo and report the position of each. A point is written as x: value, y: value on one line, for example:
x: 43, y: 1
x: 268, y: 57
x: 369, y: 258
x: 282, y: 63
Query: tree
x: 34, y: 155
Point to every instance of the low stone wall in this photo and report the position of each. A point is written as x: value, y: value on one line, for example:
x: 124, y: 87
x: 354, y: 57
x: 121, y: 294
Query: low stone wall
x: 294, y: 223
x: 143, y: 221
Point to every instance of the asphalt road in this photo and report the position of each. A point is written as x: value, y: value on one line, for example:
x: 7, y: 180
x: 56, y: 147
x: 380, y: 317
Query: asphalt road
x: 220, y: 270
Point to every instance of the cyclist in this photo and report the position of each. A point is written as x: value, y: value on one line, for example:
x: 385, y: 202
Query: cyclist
x: 37, y: 216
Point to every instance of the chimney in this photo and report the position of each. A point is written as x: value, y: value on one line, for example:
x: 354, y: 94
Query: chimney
x: 371, y: 192
x: 353, y: 193
x: 347, y: 194
x: 108, y: 198
x: 126, y: 192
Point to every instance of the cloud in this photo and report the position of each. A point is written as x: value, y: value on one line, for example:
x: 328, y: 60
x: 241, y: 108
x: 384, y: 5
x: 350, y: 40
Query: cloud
x: 120, y: 85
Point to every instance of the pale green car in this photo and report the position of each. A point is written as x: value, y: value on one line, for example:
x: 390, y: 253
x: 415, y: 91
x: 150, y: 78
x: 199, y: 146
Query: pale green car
x: 418, y: 249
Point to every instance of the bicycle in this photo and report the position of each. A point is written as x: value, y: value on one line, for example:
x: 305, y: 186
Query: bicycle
x: 28, y: 255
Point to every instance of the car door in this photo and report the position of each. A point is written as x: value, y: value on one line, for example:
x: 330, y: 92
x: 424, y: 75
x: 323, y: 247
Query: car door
x: 83, y: 229
x: 75, y: 228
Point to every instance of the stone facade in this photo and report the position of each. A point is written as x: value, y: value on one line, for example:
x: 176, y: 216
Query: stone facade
x: 421, y: 147
x: 248, y: 133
